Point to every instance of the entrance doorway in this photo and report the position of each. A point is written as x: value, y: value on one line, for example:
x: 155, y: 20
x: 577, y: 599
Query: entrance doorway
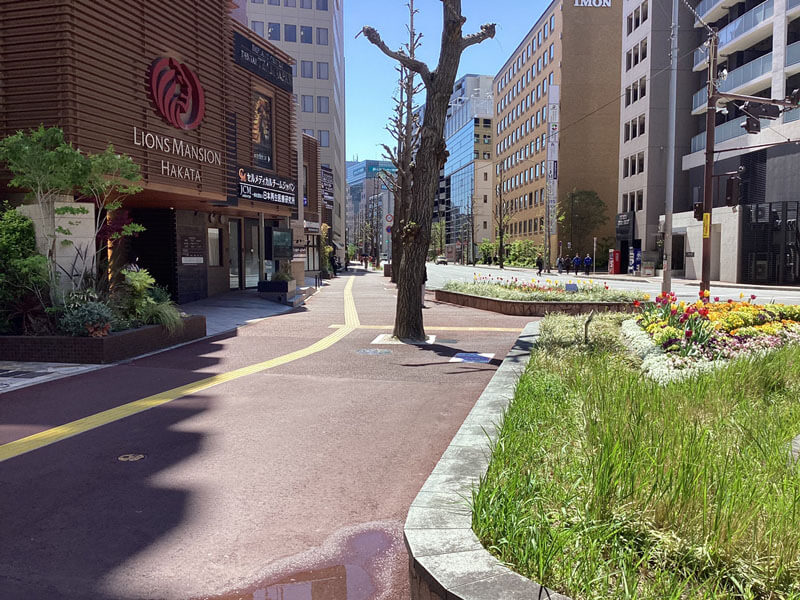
x: 251, y: 253
x: 235, y: 253
x: 678, y: 254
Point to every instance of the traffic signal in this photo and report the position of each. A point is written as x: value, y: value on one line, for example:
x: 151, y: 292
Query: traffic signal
x: 761, y: 110
x: 752, y: 125
x: 732, y: 190
x: 698, y: 211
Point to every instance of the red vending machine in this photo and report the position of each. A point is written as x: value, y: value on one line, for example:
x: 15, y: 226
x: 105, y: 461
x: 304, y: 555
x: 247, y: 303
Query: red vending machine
x: 614, y: 266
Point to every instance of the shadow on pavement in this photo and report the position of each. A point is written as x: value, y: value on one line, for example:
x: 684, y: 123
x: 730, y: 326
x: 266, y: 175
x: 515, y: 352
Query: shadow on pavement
x: 65, y: 531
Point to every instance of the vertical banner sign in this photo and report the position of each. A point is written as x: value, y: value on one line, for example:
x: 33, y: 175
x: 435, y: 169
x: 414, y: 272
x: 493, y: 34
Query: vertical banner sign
x: 552, y: 154
x: 326, y: 175
x: 262, y: 131
x: 706, y: 225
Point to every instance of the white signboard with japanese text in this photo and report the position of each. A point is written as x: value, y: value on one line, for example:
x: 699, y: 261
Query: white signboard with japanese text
x: 552, y: 154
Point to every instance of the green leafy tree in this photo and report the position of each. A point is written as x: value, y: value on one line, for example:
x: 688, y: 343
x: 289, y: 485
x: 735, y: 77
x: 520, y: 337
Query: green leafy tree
x: 44, y: 165
x: 437, y: 238
x: 488, y: 251
x: 580, y: 217
x: 112, y: 177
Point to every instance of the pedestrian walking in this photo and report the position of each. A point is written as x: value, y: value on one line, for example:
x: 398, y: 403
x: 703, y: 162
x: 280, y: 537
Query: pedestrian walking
x: 587, y: 263
x: 539, y: 264
x: 333, y: 264
x: 576, y: 263
x: 560, y: 264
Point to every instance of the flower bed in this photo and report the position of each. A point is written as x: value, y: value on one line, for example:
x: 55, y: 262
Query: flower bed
x: 537, y: 290
x: 689, y: 337
x: 604, y: 484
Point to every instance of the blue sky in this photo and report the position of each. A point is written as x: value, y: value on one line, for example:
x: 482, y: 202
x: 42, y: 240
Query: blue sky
x: 370, y: 76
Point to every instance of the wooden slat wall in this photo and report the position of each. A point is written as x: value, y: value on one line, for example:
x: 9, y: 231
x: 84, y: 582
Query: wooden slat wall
x: 83, y: 65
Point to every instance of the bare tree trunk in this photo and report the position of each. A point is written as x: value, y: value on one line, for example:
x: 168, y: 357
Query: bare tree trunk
x: 430, y: 158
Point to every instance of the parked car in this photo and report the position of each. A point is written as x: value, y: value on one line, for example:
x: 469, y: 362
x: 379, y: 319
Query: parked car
x: 441, y: 260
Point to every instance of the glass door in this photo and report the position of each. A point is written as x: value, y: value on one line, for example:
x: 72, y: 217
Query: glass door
x: 251, y: 252
x: 235, y: 253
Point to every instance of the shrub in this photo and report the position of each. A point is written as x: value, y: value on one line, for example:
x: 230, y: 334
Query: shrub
x: 159, y: 294
x: 162, y: 313
x: 23, y: 276
x: 89, y: 319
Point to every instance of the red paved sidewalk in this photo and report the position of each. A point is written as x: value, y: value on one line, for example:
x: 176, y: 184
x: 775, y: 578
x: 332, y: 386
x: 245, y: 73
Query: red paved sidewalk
x: 298, y: 474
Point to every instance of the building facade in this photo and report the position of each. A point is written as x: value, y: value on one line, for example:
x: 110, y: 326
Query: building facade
x: 644, y: 136
x: 311, y: 32
x: 757, y: 240
x: 210, y: 125
x: 370, y: 206
x: 464, y: 201
x: 556, y: 127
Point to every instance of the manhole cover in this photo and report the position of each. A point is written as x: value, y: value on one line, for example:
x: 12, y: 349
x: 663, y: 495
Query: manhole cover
x: 130, y: 457
x: 374, y: 351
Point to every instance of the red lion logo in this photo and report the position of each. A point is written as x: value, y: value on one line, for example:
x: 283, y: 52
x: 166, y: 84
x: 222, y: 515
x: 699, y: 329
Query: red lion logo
x: 176, y: 93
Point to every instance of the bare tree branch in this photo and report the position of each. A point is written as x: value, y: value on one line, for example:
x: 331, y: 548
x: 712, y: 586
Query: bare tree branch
x: 487, y: 31
x: 414, y: 65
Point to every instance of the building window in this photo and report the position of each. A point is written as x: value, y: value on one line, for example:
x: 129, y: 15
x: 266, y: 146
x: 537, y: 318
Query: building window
x: 323, y: 104
x: 309, y: 132
x: 306, y: 34
x: 485, y: 225
x: 625, y: 167
x: 552, y: 22
x: 322, y: 70
x: 639, y: 200
x: 214, y: 247
x: 322, y: 36
x: 305, y: 3
x: 306, y: 69
x: 640, y: 161
x: 290, y: 33
x: 485, y: 196
x: 324, y: 138
x: 308, y: 103
x: 257, y: 1
x: 258, y: 27
x: 624, y: 203
x: 322, y: 4
x: 274, y: 2
x: 290, y: 3
x: 274, y: 32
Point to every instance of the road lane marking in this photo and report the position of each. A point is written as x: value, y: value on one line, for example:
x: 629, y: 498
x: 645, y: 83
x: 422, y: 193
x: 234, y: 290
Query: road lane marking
x: 73, y: 428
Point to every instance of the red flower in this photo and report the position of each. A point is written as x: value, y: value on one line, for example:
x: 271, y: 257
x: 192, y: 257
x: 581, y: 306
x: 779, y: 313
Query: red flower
x: 674, y: 311
x: 701, y: 293
x: 752, y: 296
x: 730, y: 300
x: 688, y: 333
x: 636, y: 303
x: 716, y: 298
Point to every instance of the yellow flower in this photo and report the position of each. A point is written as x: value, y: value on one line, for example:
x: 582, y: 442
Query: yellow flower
x: 647, y: 296
x: 706, y: 294
x: 741, y: 294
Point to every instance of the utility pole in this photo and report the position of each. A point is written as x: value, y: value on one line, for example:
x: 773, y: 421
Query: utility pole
x: 708, y: 197
x: 754, y: 107
x: 666, y: 281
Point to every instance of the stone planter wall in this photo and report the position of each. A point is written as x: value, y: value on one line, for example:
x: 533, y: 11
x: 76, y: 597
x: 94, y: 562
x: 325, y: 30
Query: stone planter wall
x: 530, y: 309
x: 86, y: 350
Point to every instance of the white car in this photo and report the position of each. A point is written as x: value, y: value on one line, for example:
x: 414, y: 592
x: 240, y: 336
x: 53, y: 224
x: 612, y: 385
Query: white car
x: 441, y: 260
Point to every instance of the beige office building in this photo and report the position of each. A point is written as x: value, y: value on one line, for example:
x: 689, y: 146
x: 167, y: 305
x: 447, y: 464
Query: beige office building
x: 575, y: 46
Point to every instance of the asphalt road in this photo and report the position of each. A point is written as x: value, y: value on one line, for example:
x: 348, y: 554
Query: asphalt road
x: 438, y: 275
x: 276, y: 479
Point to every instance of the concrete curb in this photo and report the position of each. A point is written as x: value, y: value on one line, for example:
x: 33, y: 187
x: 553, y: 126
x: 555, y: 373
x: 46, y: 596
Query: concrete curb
x: 446, y: 560
x: 526, y: 308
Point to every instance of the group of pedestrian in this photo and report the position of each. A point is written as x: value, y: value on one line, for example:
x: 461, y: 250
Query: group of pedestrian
x: 576, y: 262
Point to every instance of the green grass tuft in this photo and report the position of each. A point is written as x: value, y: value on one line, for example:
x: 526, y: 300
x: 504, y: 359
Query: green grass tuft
x: 604, y: 484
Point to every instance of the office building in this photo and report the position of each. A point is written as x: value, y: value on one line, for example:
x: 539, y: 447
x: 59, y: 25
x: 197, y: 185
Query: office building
x: 369, y: 203
x: 464, y: 201
x: 556, y: 126
x: 311, y: 32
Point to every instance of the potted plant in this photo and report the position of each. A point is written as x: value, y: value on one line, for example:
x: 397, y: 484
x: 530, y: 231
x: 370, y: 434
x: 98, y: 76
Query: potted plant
x: 281, y: 282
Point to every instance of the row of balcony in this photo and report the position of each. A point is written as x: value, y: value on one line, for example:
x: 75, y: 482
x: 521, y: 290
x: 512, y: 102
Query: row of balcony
x: 736, y: 31
x: 713, y: 10
x: 726, y: 131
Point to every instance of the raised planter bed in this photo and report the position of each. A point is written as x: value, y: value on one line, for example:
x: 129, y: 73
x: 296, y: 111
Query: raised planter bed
x: 86, y: 350
x: 522, y: 308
